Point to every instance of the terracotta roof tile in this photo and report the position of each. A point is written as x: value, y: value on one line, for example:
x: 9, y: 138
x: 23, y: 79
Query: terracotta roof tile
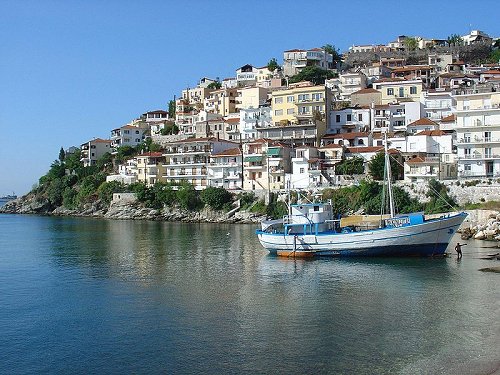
x: 450, y: 118
x: 230, y: 152
x: 423, y: 121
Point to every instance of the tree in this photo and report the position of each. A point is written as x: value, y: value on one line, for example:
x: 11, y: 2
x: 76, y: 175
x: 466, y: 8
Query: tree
x: 216, y: 197
x: 440, y: 201
x: 350, y: 166
x: 170, y: 128
x: 187, y: 197
x: 171, y: 109
x: 376, y: 167
x: 494, y: 56
x: 455, y: 40
x: 334, y: 52
x: 214, y: 85
x: 272, y: 65
x: 62, y: 155
x: 410, y: 43
x: 314, y: 74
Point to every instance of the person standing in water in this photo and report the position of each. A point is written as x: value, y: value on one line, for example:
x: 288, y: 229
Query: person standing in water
x: 458, y: 249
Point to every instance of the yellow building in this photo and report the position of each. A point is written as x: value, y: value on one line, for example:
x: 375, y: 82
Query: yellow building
x: 398, y: 90
x: 300, y: 101
x: 222, y: 101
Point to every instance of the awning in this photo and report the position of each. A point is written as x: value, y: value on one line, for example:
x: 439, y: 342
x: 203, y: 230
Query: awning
x: 253, y: 159
x: 274, y: 151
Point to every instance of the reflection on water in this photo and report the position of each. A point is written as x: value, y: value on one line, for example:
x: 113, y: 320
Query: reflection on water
x: 86, y: 295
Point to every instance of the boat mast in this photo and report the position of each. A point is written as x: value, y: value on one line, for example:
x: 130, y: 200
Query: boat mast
x: 389, y: 177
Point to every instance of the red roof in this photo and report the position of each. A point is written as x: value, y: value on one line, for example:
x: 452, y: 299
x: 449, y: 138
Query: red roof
x: 416, y: 159
x: 423, y: 121
x: 99, y: 140
x: 151, y: 154
x: 230, y: 152
x: 367, y: 149
x: 450, y: 118
x: 432, y: 132
x: 366, y: 91
x: 332, y: 145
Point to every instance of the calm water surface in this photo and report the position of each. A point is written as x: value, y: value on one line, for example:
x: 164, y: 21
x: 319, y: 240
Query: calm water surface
x: 98, y: 296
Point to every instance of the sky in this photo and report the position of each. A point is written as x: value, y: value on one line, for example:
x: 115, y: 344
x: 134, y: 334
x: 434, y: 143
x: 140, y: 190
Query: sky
x: 74, y: 70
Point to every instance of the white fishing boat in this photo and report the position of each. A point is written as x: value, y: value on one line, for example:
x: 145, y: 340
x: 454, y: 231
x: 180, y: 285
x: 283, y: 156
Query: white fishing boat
x: 312, y: 230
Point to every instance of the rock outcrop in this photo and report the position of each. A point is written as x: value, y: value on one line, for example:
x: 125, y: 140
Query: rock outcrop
x: 126, y: 210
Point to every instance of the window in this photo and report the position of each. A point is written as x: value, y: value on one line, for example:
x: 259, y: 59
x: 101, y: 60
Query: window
x: 278, y: 100
x: 126, y: 131
x: 467, y: 167
x: 290, y: 111
x: 467, y: 137
x: 137, y: 132
x: 349, y: 117
x: 290, y: 99
x: 487, y: 152
x: 278, y: 112
x: 401, y: 92
x: 317, y: 96
x: 390, y: 91
x: 360, y: 117
x: 301, y: 170
x: 337, y: 118
x: 467, y: 151
x: 413, y: 90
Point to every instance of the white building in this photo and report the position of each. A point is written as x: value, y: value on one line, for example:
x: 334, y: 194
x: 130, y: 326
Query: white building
x: 395, y: 116
x: 93, y: 150
x: 351, y: 119
x: 351, y: 82
x: 437, y: 103
x: 253, y: 118
x: 295, y: 60
x: 307, y: 169
x: 128, y: 135
x: 226, y: 169
x: 478, y: 134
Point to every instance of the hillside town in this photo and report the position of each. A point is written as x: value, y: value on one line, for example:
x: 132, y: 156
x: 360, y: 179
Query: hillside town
x: 292, y: 125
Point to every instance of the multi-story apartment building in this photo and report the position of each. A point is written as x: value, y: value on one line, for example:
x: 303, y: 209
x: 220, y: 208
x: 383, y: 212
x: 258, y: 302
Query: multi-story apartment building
x: 222, y: 101
x: 298, y: 102
x: 150, y: 167
x: 265, y: 165
x: 395, y: 116
x: 307, y: 169
x: 295, y: 60
x: 128, y: 135
x: 93, y: 150
x: 253, y: 118
x: 398, y: 89
x: 307, y: 132
x: 351, y: 82
x: 413, y: 72
x: 187, y: 160
x: 437, y: 103
x: 351, y: 119
x: 251, y: 97
x: 478, y: 134
x: 226, y: 169
x: 249, y: 75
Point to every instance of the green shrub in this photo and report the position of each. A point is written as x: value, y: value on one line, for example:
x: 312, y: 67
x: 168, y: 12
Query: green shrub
x: 216, y: 197
x: 187, y: 197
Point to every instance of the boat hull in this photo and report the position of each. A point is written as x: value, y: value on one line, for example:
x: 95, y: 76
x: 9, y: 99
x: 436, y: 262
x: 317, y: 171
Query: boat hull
x: 430, y: 238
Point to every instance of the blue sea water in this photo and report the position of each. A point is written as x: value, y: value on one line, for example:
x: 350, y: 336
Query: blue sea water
x: 98, y: 296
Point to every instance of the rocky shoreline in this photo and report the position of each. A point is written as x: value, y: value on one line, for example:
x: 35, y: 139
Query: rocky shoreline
x: 479, y: 225
x: 126, y: 210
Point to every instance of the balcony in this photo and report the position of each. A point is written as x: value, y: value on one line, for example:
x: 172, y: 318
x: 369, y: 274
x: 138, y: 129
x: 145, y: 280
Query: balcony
x: 493, y: 107
x: 477, y: 140
x: 479, y: 156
